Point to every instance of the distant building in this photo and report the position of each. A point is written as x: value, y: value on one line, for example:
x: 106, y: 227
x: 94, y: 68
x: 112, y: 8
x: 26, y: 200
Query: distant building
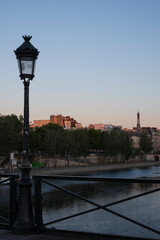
x: 59, y: 119
x: 146, y: 130
x: 154, y: 134
x: 128, y: 130
x: 135, y: 141
x: 91, y: 126
x: 156, y: 141
x: 108, y: 127
x: 104, y: 127
x: 65, y: 122
x: 99, y: 126
x: 39, y: 123
x: 118, y: 128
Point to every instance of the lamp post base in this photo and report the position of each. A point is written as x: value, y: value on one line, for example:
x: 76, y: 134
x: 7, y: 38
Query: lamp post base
x: 24, y: 219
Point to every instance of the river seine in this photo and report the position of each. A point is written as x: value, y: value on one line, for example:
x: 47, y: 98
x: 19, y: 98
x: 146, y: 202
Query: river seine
x: 146, y: 209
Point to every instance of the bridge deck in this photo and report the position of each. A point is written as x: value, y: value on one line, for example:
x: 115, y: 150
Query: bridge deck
x: 62, y: 235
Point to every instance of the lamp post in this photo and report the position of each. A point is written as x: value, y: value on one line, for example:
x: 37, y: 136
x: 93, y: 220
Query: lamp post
x: 26, y: 56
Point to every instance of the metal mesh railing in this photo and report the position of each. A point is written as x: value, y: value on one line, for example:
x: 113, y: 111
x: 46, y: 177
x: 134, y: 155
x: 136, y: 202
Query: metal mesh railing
x: 105, y: 207
x: 10, y: 180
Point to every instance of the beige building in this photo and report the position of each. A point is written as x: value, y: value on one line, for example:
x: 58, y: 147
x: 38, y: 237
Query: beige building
x: 65, y: 122
x: 156, y: 141
x: 135, y: 141
x: 39, y: 123
x: 99, y: 126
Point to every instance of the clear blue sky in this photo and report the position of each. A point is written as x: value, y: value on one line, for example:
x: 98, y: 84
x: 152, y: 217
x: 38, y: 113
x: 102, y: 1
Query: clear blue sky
x: 99, y: 60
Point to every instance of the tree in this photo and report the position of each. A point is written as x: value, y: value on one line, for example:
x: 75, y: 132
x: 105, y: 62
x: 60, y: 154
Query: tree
x: 94, y: 139
x: 37, y: 140
x: 47, y: 139
x: 54, y: 139
x: 84, y: 141
x: 126, y: 147
x: 10, y: 134
x: 77, y: 142
x: 145, y: 143
x: 114, y: 142
x: 105, y: 142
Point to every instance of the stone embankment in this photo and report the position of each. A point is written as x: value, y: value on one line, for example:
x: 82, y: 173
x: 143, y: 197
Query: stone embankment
x: 92, y: 159
x: 92, y: 168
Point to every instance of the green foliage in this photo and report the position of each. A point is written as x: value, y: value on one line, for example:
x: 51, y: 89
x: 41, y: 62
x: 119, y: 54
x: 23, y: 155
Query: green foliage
x: 145, y: 143
x: 77, y: 142
x: 114, y: 143
x: 52, y: 140
x: 126, y: 147
x: 47, y: 139
x: 105, y: 142
x: 117, y: 142
x: 136, y: 152
x: 10, y: 134
x: 94, y: 139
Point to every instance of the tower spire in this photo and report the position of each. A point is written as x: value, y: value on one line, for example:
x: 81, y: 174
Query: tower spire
x: 138, y: 120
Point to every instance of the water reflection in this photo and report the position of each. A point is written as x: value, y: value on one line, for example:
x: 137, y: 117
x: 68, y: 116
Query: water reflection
x: 148, y: 172
x: 57, y: 204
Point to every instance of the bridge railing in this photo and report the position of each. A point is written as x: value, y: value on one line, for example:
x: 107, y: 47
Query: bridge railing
x: 47, y: 180
x: 52, y: 181
x: 10, y: 180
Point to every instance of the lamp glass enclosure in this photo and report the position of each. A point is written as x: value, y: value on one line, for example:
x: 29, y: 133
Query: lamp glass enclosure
x: 26, y: 66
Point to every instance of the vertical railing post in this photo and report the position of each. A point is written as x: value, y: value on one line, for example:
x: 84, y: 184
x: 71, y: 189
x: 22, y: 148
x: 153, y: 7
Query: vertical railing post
x: 13, y: 192
x: 38, y: 205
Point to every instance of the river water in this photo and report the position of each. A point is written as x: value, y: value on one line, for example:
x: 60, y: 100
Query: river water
x: 146, y: 209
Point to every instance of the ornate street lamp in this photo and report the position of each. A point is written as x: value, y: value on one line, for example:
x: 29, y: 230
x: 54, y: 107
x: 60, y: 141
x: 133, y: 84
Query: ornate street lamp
x: 26, y: 55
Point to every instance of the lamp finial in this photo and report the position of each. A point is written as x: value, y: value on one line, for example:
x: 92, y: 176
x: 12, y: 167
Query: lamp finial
x: 27, y: 38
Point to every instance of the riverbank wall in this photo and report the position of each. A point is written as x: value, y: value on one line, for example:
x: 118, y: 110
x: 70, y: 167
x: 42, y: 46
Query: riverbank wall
x: 74, y: 170
x: 93, y: 159
x: 92, y: 163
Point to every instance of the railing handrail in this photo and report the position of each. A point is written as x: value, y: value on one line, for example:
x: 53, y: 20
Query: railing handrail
x: 38, y: 195
x: 9, y: 175
x: 39, y: 179
x: 99, y: 179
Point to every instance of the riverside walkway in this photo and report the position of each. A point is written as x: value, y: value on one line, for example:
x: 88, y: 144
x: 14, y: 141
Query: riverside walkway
x: 92, y: 168
x: 87, y: 169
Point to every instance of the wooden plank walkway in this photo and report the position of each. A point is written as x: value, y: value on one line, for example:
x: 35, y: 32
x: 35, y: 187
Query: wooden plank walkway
x: 62, y: 235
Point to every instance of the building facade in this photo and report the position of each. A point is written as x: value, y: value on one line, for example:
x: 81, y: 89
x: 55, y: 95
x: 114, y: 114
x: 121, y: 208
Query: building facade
x: 65, y: 122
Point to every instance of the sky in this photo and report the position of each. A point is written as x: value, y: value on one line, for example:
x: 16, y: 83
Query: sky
x: 99, y: 60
